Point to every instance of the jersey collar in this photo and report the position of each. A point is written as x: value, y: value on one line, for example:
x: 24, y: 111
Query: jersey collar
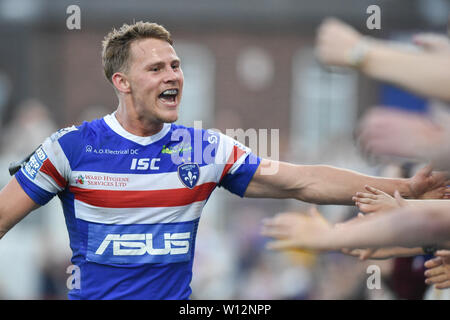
x: 115, y: 126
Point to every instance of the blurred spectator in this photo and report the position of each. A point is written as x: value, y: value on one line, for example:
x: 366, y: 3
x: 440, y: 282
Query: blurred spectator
x: 31, y: 124
x: 426, y: 72
x: 404, y: 135
x: 5, y: 92
x: 92, y: 112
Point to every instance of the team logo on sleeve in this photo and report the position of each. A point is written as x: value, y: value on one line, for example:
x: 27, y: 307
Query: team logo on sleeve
x: 33, y: 165
x: 189, y: 174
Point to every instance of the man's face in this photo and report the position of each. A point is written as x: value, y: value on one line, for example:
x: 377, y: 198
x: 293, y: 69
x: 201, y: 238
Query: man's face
x: 156, y: 80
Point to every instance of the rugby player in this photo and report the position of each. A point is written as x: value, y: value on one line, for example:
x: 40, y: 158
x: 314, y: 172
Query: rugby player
x: 133, y: 184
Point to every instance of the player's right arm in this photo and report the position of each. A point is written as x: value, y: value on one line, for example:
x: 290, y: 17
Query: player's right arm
x: 15, y: 204
x: 37, y: 182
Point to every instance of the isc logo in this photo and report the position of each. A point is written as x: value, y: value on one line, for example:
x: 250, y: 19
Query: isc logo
x: 139, y: 244
x: 144, y: 164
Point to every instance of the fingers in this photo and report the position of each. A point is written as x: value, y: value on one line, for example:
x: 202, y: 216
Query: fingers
x: 334, y: 39
x: 436, y: 271
x: 400, y: 201
x: 274, y: 228
x: 367, y: 253
x: 362, y: 254
x: 313, y: 212
x: 438, y: 178
x: 431, y: 42
x: 366, y: 202
x: 425, y: 171
x: 442, y: 285
x: 363, y: 195
x: 433, y: 263
x: 447, y: 191
x: 281, y: 245
x: 374, y: 190
x: 425, y: 40
x: 366, y: 208
x: 363, y: 199
x: 352, y: 252
x: 442, y: 253
x: 274, y: 232
x: 279, y: 219
x: 437, y: 279
x: 281, y: 225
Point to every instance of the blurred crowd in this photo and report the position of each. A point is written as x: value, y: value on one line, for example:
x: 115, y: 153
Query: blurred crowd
x: 400, y: 137
x: 231, y: 259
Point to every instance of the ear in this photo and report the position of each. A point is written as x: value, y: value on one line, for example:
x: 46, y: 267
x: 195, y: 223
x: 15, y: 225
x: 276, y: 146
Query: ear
x: 120, y: 82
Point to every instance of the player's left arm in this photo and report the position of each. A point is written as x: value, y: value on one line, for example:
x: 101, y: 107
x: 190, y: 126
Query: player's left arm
x: 324, y: 184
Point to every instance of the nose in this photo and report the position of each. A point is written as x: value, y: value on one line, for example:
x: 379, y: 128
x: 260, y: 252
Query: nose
x: 171, y: 75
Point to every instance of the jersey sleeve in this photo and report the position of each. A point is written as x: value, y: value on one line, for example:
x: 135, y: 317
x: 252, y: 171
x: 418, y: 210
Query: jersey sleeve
x: 240, y: 165
x: 47, y: 172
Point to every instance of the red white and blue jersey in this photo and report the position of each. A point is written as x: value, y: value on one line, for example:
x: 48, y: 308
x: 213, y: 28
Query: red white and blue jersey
x: 132, y: 204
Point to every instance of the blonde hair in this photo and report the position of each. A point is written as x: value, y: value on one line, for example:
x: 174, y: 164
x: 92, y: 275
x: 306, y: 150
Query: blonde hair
x: 116, y: 44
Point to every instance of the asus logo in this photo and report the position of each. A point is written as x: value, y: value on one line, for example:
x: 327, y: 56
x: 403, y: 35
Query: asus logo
x: 140, y: 244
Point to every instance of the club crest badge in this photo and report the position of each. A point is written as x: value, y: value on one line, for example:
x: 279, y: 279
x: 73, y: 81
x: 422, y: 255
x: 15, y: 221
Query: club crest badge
x: 189, y: 173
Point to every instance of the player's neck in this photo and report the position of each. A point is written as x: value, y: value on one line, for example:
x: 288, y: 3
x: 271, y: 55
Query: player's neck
x: 132, y: 123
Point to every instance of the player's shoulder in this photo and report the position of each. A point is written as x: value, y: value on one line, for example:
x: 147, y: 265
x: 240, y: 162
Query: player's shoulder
x: 71, y: 140
x: 56, y: 136
x: 197, y: 135
x: 76, y: 133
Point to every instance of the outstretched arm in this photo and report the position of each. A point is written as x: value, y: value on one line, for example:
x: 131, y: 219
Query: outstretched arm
x: 426, y: 72
x: 330, y: 185
x: 15, y: 204
x: 406, y: 227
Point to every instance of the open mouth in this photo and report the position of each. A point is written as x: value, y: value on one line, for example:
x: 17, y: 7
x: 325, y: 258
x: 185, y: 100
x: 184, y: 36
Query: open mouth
x: 169, y: 96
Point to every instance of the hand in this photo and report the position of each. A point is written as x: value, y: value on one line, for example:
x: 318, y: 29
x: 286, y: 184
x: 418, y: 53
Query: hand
x: 438, y: 272
x: 295, y: 230
x: 384, y: 132
x: 432, y: 42
x: 374, y: 201
x: 387, y: 132
x: 426, y: 184
x: 334, y: 42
